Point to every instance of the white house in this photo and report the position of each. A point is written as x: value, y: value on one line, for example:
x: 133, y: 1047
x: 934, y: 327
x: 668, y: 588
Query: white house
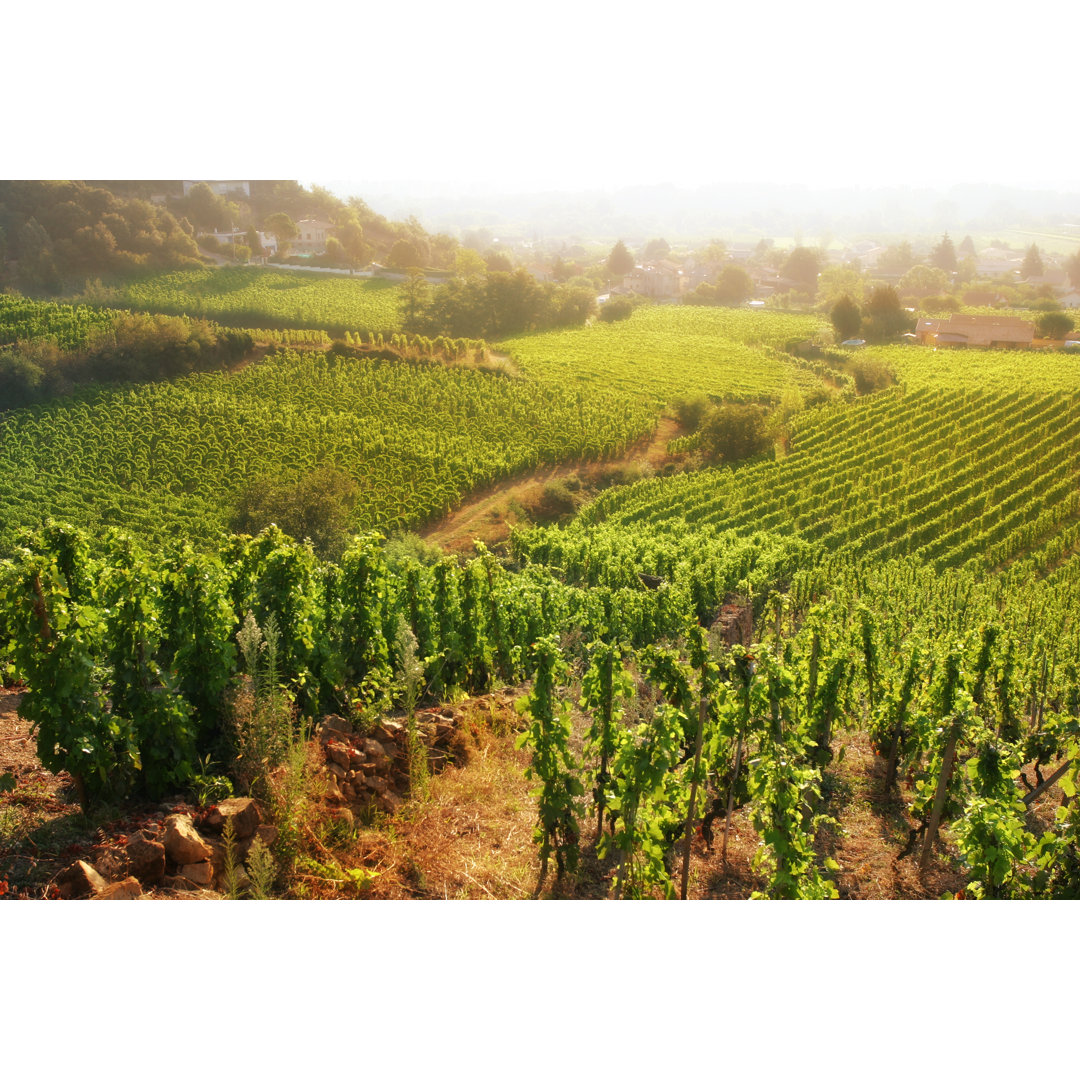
x: 221, y: 187
x: 311, y: 237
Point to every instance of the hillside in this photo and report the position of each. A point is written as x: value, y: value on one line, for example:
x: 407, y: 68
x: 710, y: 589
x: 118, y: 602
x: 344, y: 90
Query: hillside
x: 851, y: 645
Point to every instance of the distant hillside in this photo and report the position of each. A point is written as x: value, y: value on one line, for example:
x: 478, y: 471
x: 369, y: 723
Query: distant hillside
x: 57, y: 234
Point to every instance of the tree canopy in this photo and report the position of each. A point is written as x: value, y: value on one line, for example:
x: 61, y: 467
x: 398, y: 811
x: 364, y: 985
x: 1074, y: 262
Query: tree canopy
x: 620, y: 261
x: 802, y: 266
x: 846, y: 318
x: 943, y: 255
x: 1033, y: 264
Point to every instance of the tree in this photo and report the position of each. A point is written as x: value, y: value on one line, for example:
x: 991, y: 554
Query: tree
x: 924, y: 281
x: 317, y: 507
x: 1033, y: 264
x: 335, y: 252
x: 714, y: 253
x: 351, y: 236
x: 884, y: 316
x: 731, y: 432
x: 37, y: 266
x: 966, y: 248
x: 404, y: 254
x: 846, y: 318
x: 498, y: 261
x: 1072, y: 268
x: 802, y: 266
x: 620, y: 261
x: 837, y: 281
x: 617, y: 309
x: 469, y: 263
x: 282, y: 228
x: 251, y: 238
x: 1055, y: 325
x: 415, y: 297
x: 943, y: 255
x: 897, y: 259
x: 206, y: 209
x: 656, y: 249
x: 733, y: 286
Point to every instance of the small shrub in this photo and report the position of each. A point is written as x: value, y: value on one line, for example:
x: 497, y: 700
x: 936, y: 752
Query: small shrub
x: 732, y: 432
x: 262, y: 871
x: 616, y: 310
x: 691, y: 411
x: 1055, y: 325
x: 555, y: 503
x: 870, y: 375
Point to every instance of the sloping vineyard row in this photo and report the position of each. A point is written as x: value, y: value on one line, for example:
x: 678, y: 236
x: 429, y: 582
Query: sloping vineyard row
x: 415, y: 437
x: 252, y: 296
x: 931, y: 476
x: 667, y: 352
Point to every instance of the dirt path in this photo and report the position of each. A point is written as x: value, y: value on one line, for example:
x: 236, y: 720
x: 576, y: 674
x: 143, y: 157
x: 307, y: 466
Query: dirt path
x: 487, y: 516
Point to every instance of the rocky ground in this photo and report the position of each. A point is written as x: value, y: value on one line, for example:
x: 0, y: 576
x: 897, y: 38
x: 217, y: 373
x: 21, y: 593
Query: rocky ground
x: 449, y: 816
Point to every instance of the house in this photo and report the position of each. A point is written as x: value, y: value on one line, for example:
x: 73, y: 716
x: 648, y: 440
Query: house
x: 239, y: 236
x: 997, y: 262
x: 661, y: 279
x: 221, y: 187
x: 981, y: 331
x: 311, y: 237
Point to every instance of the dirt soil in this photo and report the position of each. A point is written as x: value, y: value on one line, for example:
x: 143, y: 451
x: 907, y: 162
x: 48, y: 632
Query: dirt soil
x: 469, y: 835
x: 488, y: 515
x: 42, y: 827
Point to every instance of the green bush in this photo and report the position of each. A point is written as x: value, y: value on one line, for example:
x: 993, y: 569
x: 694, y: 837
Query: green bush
x: 616, y: 310
x: 733, y: 432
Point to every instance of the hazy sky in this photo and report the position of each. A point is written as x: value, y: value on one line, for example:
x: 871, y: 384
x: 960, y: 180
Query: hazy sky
x: 555, y: 95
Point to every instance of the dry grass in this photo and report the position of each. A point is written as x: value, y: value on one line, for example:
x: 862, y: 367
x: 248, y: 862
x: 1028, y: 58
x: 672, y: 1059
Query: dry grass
x: 472, y: 837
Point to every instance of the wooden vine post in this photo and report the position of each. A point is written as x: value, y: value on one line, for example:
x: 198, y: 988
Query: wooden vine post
x: 702, y: 714
x: 939, y: 798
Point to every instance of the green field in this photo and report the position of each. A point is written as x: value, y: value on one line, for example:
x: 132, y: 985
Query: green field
x: 909, y: 562
x: 673, y: 351
x: 252, y: 296
x: 416, y: 437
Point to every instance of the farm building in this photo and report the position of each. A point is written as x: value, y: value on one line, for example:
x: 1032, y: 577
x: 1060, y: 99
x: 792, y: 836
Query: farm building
x: 311, y: 238
x: 657, y: 279
x: 221, y: 187
x: 982, y: 331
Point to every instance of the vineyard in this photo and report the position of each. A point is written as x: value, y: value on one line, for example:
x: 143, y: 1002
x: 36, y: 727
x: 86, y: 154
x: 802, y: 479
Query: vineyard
x: 696, y: 651
x: 416, y: 437
x: 950, y: 477
x: 251, y: 296
x: 667, y: 352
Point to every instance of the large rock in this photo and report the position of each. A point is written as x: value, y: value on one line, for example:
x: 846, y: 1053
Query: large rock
x: 338, y: 754
x: 201, y: 873
x: 266, y: 833
x: 244, y: 813
x: 217, y: 861
x: 146, y: 857
x: 78, y: 880
x: 334, y: 727
x: 179, y: 883
x: 183, y: 844
x: 128, y: 889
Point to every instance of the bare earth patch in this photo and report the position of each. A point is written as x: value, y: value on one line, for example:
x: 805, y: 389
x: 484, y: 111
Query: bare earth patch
x: 488, y: 516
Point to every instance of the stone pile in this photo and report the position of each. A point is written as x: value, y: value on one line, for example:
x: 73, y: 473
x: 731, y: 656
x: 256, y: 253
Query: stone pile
x: 365, y: 771
x: 172, y: 854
